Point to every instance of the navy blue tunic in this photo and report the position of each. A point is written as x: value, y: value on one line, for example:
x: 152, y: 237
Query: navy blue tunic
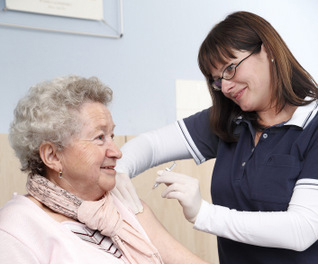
x: 261, y: 178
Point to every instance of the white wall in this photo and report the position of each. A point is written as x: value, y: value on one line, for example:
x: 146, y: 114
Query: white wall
x: 160, y: 44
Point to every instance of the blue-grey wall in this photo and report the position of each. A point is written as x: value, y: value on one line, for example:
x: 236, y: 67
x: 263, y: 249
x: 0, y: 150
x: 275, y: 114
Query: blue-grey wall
x: 160, y: 44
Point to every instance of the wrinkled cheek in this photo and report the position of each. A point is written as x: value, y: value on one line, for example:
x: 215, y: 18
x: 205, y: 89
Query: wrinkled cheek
x: 82, y: 163
x: 88, y: 157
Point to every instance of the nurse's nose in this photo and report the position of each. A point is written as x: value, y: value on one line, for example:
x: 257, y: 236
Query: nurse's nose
x: 227, y: 86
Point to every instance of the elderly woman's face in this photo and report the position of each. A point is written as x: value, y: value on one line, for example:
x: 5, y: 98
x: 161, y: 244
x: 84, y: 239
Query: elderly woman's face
x: 88, y: 161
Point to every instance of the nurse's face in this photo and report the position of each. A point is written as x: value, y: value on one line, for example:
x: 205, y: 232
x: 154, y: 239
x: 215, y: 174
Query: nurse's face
x: 250, y: 88
x: 88, y: 162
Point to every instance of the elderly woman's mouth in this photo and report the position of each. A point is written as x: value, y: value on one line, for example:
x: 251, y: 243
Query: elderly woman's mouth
x: 108, y: 167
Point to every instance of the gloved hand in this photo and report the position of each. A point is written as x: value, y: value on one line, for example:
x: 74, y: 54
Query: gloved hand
x: 185, y: 189
x: 126, y: 193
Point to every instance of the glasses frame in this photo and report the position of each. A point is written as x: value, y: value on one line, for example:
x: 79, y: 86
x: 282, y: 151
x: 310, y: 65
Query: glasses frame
x: 216, y: 87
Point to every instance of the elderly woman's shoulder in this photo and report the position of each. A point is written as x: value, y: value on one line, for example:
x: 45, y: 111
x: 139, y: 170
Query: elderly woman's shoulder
x: 17, y: 211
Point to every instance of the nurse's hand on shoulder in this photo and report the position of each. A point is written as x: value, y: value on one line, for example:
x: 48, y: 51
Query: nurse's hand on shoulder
x: 126, y: 193
x: 185, y: 189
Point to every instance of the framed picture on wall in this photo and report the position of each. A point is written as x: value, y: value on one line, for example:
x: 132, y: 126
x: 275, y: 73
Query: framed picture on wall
x: 96, y: 18
x: 84, y: 9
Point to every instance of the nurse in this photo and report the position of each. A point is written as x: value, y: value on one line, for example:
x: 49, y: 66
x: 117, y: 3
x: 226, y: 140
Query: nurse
x: 263, y: 131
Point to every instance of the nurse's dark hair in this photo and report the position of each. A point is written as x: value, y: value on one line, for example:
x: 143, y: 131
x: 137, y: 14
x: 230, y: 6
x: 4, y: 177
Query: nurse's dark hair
x: 246, y: 31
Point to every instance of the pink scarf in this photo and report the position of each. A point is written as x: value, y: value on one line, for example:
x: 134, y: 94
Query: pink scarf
x: 99, y: 215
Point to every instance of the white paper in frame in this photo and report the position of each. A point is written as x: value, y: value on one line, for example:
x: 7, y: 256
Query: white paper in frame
x: 83, y: 9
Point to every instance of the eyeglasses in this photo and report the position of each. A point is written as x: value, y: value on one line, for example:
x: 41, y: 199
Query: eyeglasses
x: 228, y: 73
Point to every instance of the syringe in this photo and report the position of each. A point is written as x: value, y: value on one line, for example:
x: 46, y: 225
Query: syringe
x: 167, y: 169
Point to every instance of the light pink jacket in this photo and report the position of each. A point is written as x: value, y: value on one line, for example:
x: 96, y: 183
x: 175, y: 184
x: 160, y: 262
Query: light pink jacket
x: 28, y: 235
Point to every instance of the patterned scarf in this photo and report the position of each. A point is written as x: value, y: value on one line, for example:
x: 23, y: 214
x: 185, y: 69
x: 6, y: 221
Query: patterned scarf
x: 99, y: 215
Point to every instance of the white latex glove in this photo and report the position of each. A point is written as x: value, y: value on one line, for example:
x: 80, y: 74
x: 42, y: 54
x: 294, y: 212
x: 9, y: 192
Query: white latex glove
x: 126, y: 193
x: 185, y: 189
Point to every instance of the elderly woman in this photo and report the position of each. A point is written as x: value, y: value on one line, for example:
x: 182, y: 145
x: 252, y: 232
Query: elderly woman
x: 63, y: 135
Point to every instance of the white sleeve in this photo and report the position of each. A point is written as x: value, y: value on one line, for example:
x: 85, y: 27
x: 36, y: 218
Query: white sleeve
x: 13, y: 251
x: 151, y: 149
x: 296, y: 228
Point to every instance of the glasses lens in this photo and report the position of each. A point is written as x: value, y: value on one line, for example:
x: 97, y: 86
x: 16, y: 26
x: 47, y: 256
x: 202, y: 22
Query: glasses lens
x: 217, y: 84
x: 229, y: 72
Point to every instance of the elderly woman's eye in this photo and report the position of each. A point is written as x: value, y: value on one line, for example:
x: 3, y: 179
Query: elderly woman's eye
x: 101, y: 137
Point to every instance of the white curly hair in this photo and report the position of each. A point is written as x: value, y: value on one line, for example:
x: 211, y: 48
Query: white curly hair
x: 48, y: 114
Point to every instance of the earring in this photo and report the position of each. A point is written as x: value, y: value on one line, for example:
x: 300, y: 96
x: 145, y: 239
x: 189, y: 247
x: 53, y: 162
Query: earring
x: 60, y: 174
x: 272, y: 60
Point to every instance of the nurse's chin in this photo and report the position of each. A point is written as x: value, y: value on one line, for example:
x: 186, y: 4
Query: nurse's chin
x: 244, y: 107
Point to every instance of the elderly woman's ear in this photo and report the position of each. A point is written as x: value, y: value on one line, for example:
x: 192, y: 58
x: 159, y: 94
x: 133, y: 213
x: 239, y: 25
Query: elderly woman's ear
x: 49, y: 155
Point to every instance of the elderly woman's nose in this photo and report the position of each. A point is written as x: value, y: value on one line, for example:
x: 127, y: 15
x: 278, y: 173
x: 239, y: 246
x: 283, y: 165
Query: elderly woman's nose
x: 113, y: 151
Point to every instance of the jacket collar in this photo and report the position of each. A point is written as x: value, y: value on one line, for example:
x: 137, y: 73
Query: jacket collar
x: 303, y: 115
